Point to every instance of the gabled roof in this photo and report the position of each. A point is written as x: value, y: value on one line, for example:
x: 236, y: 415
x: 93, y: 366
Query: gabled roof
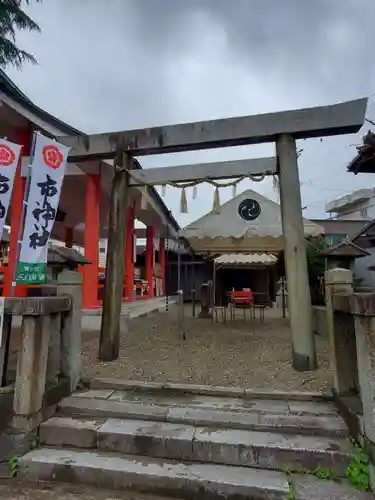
x: 364, y: 230
x: 345, y: 248
x: 229, y: 224
x: 364, y: 161
x: 10, y: 89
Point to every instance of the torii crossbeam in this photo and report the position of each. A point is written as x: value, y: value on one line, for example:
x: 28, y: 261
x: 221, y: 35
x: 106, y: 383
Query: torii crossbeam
x: 282, y: 128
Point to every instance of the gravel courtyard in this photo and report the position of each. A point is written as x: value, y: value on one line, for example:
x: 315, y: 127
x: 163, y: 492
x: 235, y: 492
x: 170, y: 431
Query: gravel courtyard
x: 238, y: 353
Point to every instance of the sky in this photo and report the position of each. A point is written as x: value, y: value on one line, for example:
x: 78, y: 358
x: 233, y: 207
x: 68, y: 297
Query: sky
x: 108, y: 65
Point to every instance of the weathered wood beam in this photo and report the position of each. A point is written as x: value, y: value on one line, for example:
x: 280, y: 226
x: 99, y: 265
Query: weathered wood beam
x: 215, y: 170
x: 114, y: 272
x: 344, y: 118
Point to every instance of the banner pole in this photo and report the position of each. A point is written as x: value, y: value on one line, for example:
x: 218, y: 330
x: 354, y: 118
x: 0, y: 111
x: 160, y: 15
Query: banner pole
x: 23, y: 215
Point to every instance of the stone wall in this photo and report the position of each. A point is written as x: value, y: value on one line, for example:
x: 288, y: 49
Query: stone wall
x: 319, y: 320
x: 351, y: 332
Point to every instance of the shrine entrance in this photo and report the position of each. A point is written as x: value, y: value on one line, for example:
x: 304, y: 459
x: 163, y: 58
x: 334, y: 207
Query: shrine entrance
x: 282, y: 128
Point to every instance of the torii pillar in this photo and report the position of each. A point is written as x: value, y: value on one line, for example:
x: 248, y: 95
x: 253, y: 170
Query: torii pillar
x: 299, y: 299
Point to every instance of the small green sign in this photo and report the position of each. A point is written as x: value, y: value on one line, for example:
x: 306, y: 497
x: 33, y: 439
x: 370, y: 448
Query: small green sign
x: 31, y: 274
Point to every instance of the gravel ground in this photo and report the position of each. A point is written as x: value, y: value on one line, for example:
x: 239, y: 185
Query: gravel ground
x: 246, y: 354
x: 11, y: 490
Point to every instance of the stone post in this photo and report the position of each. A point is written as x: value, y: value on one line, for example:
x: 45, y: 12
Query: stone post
x: 54, y: 350
x: 70, y: 283
x: 299, y: 300
x: 362, y: 306
x: 31, y: 371
x: 341, y: 334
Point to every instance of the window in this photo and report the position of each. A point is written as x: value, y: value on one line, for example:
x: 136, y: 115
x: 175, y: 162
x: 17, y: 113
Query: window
x: 334, y: 239
x: 364, y: 212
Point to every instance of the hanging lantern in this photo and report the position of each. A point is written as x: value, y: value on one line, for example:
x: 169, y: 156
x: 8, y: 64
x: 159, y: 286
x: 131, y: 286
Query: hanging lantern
x: 195, y: 192
x: 234, y: 190
x: 163, y: 190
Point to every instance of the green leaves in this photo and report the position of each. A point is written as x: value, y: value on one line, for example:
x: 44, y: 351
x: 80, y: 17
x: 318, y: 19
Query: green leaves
x: 14, y: 466
x: 358, y: 470
x: 13, y: 18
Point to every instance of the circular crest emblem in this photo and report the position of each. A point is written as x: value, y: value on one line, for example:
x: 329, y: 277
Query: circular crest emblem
x: 7, y: 155
x: 52, y: 156
x: 249, y: 209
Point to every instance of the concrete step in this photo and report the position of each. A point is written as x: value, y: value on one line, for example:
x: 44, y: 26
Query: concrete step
x: 159, y: 476
x: 166, y: 388
x: 183, y: 480
x: 207, y: 401
x: 263, y: 450
x: 260, y: 415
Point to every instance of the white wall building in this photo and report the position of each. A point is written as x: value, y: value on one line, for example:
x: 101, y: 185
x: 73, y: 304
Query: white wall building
x: 359, y: 205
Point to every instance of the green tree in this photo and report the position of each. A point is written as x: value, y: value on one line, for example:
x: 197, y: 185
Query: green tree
x: 12, y: 19
x: 315, y: 260
x: 316, y: 267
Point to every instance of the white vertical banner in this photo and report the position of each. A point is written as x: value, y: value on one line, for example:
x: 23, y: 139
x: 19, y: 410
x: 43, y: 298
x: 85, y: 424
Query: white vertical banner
x: 47, y: 175
x: 9, y: 157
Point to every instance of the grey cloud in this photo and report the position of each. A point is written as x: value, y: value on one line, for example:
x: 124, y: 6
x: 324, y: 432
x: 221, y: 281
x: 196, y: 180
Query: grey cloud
x: 322, y: 43
x: 117, y: 64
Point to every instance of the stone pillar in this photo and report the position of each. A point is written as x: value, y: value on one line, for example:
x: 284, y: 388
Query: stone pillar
x: 299, y: 300
x: 363, y: 308
x: 31, y: 371
x: 70, y: 283
x: 150, y: 257
x: 341, y: 333
x: 54, y: 350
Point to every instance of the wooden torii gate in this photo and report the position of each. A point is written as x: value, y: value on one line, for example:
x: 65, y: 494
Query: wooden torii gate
x: 282, y: 128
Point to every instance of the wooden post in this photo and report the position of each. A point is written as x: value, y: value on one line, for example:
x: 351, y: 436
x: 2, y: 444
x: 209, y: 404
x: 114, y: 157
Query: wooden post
x: 299, y: 301
x: 114, y: 271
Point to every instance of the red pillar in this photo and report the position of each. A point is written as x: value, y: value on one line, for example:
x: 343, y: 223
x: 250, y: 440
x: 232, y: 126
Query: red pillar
x: 150, y: 260
x: 162, y: 263
x: 69, y: 233
x: 129, y: 256
x: 90, y: 271
x: 24, y: 138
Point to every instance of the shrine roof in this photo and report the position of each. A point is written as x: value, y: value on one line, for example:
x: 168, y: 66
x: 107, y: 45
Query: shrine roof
x: 346, y: 248
x: 364, y: 161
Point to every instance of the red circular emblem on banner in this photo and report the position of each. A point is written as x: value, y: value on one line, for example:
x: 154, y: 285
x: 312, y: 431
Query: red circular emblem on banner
x: 52, y: 156
x: 7, y: 155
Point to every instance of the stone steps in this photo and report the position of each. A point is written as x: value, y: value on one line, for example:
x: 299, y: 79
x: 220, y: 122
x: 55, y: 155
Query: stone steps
x: 172, y: 478
x: 263, y: 450
x: 192, y: 443
x: 301, y: 417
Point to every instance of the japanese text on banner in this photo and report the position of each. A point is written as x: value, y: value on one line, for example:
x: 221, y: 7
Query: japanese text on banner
x: 47, y: 175
x: 9, y: 157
